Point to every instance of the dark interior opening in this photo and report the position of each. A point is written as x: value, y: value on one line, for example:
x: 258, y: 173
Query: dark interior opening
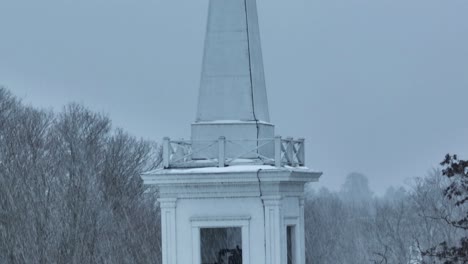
x: 291, y: 244
x: 221, y: 245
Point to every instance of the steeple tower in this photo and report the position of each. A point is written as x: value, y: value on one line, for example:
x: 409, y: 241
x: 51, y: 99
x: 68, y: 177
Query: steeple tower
x: 233, y: 193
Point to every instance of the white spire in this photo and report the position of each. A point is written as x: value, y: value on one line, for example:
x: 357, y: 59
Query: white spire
x: 232, y: 102
x: 232, y: 82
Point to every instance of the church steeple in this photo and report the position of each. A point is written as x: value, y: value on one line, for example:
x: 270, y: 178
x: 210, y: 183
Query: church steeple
x: 234, y: 193
x: 232, y: 82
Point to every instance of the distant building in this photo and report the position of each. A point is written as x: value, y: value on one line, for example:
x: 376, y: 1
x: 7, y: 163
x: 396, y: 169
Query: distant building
x: 234, y: 193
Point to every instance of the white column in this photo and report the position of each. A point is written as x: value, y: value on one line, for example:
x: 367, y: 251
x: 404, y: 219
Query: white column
x: 196, y: 247
x: 273, y: 229
x: 301, y: 232
x: 168, y: 230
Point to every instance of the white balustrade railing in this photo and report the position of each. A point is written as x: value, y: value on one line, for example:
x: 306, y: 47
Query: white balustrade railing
x: 273, y: 151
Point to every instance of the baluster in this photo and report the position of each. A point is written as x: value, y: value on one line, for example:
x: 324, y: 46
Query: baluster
x: 221, y: 151
x: 290, y: 151
x: 278, y: 151
x: 301, y: 152
x: 166, y: 152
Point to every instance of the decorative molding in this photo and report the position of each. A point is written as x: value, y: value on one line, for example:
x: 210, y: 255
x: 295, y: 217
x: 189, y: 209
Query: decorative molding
x: 209, y: 219
x: 167, y: 203
x: 272, y: 200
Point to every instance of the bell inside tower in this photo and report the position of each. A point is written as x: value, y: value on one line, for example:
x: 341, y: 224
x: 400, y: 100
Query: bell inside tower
x: 221, y: 245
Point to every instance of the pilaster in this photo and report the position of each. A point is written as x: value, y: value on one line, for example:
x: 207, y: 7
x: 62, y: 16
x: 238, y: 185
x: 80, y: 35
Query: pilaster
x: 168, y: 230
x: 273, y: 229
x: 301, y: 232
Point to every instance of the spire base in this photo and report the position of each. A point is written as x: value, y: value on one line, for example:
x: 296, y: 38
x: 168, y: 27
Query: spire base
x: 243, y: 139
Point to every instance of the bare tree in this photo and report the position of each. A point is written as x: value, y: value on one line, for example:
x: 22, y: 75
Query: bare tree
x: 70, y: 190
x: 452, y: 214
x: 392, y: 225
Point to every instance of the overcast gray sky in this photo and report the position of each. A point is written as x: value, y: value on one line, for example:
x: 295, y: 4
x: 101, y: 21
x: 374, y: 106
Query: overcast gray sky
x: 375, y: 86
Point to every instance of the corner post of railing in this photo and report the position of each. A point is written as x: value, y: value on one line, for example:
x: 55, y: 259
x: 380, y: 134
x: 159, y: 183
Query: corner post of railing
x: 301, y: 152
x: 221, y: 151
x: 166, y: 152
x: 290, y: 151
x: 278, y: 151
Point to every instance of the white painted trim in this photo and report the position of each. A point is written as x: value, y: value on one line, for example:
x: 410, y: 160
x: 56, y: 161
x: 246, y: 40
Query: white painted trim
x: 295, y: 222
x: 302, y: 231
x: 274, y: 229
x: 196, y: 254
x: 199, y: 222
x: 209, y: 221
x: 168, y: 230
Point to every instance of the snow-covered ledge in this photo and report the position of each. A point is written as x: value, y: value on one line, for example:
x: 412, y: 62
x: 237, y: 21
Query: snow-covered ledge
x: 233, y: 181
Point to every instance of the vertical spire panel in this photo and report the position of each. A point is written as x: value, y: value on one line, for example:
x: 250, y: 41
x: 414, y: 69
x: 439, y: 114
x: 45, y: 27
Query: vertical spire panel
x: 232, y: 82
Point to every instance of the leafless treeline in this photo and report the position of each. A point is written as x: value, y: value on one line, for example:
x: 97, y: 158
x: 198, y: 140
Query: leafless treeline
x: 70, y: 190
x: 353, y: 226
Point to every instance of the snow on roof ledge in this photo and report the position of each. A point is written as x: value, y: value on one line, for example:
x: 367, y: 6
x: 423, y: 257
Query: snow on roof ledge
x: 232, y: 122
x: 229, y: 169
